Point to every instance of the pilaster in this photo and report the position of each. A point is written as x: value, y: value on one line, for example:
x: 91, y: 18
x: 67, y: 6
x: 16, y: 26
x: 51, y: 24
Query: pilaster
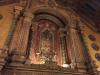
x: 18, y: 54
x: 12, y: 37
x: 3, y: 55
x: 79, y: 59
x: 91, y: 66
x: 64, y: 46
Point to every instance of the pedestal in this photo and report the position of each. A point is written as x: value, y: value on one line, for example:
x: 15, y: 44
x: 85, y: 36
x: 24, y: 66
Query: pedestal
x: 17, y: 58
x: 3, y: 55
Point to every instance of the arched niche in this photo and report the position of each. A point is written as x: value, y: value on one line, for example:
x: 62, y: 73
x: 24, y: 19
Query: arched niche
x: 48, y: 13
x: 63, y: 15
x: 56, y: 25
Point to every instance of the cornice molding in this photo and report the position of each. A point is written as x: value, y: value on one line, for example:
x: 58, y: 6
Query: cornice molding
x: 6, y: 2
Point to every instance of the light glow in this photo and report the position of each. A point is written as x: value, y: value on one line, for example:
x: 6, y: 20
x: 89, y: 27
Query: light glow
x: 66, y: 65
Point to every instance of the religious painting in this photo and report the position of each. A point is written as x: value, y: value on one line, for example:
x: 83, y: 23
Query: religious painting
x: 46, y: 44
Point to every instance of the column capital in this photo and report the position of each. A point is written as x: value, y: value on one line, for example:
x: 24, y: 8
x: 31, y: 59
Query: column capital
x: 17, y: 10
x: 74, y: 20
x: 28, y: 16
x: 63, y: 32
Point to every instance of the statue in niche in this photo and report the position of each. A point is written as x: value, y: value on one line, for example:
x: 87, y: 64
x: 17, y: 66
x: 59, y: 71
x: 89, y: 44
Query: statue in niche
x: 46, y: 46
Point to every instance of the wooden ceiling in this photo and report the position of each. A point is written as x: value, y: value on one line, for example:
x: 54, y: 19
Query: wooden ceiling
x: 89, y: 10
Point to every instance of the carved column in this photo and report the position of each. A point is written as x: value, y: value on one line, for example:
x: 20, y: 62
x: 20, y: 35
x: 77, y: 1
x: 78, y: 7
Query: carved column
x: 69, y: 50
x: 4, y: 51
x: 78, y: 55
x: 91, y: 66
x: 64, y: 50
x: 11, y: 43
x: 22, y: 34
x: 34, y: 43
x: 25, y: 31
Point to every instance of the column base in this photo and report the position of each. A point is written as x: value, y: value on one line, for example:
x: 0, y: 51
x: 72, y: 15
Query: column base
x: 92, y: 68
x: 17, y: 58
x: 80, y: 67
x: 3, y: 55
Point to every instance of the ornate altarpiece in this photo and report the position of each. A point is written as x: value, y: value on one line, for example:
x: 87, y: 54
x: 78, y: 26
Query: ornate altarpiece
x: 46, y: 38
x: 41, y: 47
